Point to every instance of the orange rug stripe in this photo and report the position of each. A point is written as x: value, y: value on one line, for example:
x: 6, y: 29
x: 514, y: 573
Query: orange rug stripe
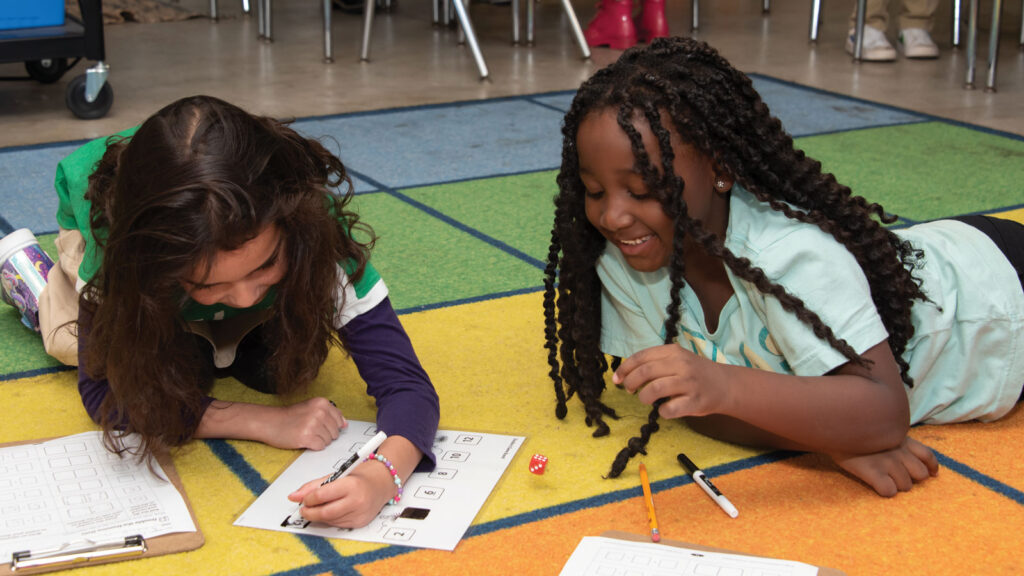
x: 798, y: 509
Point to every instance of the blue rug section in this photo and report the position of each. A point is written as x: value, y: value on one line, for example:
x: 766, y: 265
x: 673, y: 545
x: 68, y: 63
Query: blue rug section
x: 806, y: 111
x: 27, y: 199
x: 561, y: 101
x: 803, y: 111
x: 454, y: 142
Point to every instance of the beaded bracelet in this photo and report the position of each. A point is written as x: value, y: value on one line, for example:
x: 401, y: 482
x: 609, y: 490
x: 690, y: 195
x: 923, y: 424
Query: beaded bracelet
x: 394, y: 474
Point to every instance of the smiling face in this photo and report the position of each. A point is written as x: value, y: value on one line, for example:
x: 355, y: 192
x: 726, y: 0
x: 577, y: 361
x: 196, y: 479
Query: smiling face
x: 618, y: 202
x: 241, y: 278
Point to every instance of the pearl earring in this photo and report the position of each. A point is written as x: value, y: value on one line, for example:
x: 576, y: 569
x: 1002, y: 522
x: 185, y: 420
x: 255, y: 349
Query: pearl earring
x: 720, y: 184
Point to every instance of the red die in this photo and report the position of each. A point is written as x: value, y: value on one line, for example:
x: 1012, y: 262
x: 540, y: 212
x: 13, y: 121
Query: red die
x: 538, y: 463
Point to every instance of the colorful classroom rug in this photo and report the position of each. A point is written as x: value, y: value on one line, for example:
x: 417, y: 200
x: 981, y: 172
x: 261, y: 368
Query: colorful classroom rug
x: 460, y: 195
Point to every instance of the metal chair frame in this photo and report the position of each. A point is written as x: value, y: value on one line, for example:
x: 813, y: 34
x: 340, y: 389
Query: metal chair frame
x: 972, y: 36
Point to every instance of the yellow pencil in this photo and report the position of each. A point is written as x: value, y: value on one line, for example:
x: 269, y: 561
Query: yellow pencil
x: 652, y: 518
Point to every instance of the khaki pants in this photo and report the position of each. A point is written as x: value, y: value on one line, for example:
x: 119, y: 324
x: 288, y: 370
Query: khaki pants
x: 58, y: 304
x: 914, y: 14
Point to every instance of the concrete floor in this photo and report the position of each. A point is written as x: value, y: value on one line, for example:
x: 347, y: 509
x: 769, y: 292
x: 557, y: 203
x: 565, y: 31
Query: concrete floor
x: 414, y: 62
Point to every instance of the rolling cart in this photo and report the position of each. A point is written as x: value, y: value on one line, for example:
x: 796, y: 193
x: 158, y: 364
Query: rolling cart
x: 45, y: 50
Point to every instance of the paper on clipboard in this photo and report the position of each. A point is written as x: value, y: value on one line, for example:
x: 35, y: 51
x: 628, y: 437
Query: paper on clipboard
x: 617, y: 552
x: 72, y: 500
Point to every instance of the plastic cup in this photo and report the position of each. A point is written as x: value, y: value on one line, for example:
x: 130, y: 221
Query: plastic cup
x: 24, y: 268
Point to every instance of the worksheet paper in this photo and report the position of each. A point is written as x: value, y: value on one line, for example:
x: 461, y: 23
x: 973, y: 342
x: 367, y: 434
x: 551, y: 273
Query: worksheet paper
x: 72, y: 492
x: 436, y: 508
x: 598, y: 556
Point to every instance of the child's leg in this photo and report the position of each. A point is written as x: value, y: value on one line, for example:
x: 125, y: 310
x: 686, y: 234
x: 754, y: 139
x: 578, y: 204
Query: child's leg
x: 1008, y: 236
x: 58, y: 303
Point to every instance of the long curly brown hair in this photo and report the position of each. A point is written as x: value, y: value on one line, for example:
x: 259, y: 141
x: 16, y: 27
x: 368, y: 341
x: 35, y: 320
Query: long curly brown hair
x: 199, y: 177
x: 716, y: 109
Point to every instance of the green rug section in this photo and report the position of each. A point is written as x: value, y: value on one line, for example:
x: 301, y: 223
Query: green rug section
x: 424, y: 260
x: 925, y: 171
x: 517, y: 210
x: 918, y: 171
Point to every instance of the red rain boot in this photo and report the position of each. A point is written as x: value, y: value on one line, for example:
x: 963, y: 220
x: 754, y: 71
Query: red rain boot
x: 652, y: 23
x: 613, y: 25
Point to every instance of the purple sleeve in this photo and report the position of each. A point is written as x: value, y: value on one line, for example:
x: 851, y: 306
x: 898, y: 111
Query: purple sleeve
x: 92, y: 391
x: 407, y: 403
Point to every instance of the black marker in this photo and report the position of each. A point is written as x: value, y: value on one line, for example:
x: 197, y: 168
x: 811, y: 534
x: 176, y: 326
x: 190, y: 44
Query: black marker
x: 295, y: 519
x: 702, y: 480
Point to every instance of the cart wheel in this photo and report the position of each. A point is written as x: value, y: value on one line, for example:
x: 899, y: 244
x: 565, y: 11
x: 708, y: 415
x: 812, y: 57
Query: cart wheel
x: 47, y: 71
x: 75, y: 99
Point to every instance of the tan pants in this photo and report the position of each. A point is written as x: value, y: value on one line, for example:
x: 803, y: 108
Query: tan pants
x: 58, y: 304
x: 58, y: 311
x: 914, y: 14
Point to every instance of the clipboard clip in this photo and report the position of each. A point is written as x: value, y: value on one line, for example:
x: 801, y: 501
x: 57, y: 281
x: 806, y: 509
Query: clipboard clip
x: 79, y: 552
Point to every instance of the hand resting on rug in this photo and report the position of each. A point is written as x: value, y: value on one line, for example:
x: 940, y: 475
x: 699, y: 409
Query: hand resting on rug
x: 891, y: 471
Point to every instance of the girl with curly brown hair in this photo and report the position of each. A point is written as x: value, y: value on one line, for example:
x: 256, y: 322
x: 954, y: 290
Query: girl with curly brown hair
x: 208, y: 243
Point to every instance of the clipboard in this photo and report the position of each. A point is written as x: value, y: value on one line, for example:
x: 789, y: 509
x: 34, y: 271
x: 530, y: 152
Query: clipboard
x: 133, y: 546
x: 822, y: 570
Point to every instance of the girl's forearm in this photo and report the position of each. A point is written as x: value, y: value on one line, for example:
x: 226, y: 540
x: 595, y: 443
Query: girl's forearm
x: 843, y: 412
x: 402, y: 454
x: 238, y: 420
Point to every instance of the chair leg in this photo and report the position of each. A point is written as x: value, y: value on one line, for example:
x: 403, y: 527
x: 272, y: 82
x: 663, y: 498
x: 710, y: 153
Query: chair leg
x: 515, y: 22
x: 213, y: 10
x: 368, y: 8
x: 530, y: 7
x: 460, y: 36
x: 766, y: 6
x: 577, y: 31
x: 815, y: 19
x: 467, y: 28
x: 245, y: 6
x: 695, y: 4
x: 858, y: 48
x: 956, y: 23
x: 267, y: 20
x: 328, y: 43
x: 993, y: 45
x: 263, y: 19
x: 972, y: 43
x: 260, y: 16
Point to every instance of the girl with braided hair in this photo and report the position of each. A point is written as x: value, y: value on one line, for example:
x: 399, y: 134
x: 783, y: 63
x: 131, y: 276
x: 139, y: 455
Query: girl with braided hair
x: 753, y: 295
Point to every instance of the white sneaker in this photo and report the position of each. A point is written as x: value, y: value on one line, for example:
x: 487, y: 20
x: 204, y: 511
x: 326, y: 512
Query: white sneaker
x: 917, y: 43
x: 875, y: 48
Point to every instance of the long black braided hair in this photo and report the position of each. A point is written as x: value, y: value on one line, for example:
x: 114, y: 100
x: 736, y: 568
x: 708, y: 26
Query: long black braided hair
x: 715, y: 109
